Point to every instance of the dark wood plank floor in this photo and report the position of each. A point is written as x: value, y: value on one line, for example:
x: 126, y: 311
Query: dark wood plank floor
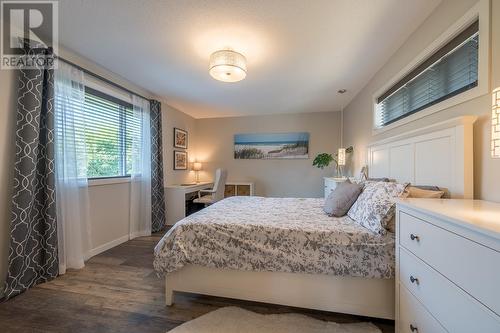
x: 118, y: 291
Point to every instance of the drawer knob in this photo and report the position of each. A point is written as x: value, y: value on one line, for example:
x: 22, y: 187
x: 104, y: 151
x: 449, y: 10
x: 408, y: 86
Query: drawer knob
x: 414, y: 237
x: 413, y: 328
x: 413, y: 279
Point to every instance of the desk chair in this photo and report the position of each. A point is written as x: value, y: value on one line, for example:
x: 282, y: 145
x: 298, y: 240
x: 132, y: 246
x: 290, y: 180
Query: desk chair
x: 217, y: 192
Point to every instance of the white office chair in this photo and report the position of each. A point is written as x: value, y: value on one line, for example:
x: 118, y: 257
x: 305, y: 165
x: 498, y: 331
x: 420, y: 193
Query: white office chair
x: 217, y: 192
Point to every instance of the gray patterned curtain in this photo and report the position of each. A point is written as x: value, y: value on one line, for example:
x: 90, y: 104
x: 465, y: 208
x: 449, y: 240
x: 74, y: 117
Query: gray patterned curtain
x: 157, y: 191
x: 33, y: 238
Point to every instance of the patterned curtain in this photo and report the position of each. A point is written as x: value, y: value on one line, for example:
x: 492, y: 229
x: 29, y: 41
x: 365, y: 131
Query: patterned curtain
x: 33, y: 238
x: 157, y: 191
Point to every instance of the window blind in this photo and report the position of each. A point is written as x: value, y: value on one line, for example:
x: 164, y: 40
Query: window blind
x: 110, y: 127
x: 450, y: 71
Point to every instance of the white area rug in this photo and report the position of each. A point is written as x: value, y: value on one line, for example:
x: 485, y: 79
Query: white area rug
x: 236, y: 320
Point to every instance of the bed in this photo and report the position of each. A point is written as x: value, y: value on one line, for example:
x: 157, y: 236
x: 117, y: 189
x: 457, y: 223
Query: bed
x: 287, y: 251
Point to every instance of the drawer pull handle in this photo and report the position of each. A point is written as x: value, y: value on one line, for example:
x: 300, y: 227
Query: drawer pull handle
x: 413, y: 328
x: 414, y: 279
x: 414, y: 237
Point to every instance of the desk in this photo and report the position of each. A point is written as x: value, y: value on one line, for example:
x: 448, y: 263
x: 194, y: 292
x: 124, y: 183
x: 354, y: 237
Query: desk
x: 175, y: 197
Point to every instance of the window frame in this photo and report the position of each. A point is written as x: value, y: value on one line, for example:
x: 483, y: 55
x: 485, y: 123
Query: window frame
x: 125, y: 177
x: 479, y: 11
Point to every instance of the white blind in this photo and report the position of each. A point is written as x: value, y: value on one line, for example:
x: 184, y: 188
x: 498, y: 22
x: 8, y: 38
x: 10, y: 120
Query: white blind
x: 450, y: 75
x: 109, y: 125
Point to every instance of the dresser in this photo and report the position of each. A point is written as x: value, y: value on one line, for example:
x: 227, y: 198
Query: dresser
x: 331, y: 184
x: 447, y: 266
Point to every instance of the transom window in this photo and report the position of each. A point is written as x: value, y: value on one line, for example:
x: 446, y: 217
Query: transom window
x: 450, y: 71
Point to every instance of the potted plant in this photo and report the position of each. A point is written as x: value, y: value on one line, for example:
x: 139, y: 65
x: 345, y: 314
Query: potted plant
x: 323, y: 160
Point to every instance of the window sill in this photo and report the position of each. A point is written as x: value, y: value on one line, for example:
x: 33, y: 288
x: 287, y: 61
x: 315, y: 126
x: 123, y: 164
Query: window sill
x: 108, y: 181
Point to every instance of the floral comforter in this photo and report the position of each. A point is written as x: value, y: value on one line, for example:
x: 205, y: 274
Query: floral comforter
x: 275, y: 234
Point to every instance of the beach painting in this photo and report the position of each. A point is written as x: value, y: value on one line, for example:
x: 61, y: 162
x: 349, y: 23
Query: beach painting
x: 271, y: 146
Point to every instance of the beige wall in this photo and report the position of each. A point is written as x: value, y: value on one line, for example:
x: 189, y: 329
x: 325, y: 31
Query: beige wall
x: 109, y: 213
x: 8, y: 84
x: 297, y: 178
x: 174, y: 118
x: 358, y: 118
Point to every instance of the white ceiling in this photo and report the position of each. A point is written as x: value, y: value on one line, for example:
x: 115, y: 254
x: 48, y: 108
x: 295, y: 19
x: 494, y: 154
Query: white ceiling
x: 299, y: 52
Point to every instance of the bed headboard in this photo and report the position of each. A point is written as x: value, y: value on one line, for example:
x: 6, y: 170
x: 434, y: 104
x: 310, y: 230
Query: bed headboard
x: 440, y: 154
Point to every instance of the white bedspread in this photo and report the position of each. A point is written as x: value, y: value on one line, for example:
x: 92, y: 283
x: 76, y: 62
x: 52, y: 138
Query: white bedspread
x: 275, y: 234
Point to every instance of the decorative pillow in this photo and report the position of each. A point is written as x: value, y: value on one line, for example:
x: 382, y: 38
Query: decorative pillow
x: 391, y: 225
x: 383, y: 179
x: 341, y: 199
x: 427, y: 187
x: 417, y: 192
x: 375, y: 206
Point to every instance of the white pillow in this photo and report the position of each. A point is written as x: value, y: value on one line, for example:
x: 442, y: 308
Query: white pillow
x: 375, y: 206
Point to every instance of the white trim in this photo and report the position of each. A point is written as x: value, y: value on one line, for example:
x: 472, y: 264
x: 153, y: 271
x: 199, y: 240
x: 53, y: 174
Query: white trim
x: 108, y: 181
x: 99, y: 85
x: 453, y: 122
x: 139, y: 234
x: 482, y: 11
x: 106, y: 246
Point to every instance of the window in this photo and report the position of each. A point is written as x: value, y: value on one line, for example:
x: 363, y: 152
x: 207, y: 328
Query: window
x: 450, y: 71
x: 110, y: 127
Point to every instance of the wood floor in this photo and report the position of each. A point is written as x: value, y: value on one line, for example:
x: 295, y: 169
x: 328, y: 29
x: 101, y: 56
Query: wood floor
x: 118, y: 291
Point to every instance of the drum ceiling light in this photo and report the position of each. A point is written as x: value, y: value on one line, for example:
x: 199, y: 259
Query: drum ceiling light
x: 228, y: 66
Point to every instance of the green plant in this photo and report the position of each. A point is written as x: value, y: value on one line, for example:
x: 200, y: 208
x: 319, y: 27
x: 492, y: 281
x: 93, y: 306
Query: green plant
x: 323, y: 160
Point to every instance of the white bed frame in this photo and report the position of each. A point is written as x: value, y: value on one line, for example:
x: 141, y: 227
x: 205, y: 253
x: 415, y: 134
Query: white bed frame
x: 440, y: 154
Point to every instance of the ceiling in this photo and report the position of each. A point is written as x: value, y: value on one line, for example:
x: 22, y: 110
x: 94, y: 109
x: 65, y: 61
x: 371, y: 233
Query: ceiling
x: 299, y: 52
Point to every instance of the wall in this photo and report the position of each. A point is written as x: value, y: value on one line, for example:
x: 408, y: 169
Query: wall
x: 8, y: 84
x: 174, y: 118
x: 215, y: 148
x: 358, y: 118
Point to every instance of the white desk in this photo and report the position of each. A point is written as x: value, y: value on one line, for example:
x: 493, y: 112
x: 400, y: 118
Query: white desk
x: 175, y: 197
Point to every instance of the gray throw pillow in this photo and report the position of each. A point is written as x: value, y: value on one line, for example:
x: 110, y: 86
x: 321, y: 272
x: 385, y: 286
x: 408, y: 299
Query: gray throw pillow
x: 342, y: 198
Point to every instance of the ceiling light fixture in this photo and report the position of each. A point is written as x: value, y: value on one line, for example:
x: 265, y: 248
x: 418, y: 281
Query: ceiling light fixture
x: 228, y: 66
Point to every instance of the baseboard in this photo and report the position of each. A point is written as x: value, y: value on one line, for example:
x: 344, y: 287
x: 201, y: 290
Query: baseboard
x: 106, y: 246
x: 139, y: 234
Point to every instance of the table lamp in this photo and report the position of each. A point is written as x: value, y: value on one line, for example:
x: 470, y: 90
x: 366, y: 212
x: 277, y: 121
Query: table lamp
x: 197, y: 168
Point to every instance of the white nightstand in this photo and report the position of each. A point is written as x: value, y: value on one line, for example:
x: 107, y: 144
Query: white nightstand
x: 331, y: 184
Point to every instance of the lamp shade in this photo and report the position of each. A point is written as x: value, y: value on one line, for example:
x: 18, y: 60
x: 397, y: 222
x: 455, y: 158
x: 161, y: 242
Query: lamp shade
x: 228, y: 66
x: 495, y: 124
x: 341, y: 157
x: 197, y: 166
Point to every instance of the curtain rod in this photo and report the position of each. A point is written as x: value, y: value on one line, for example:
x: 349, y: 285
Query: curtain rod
x: 86, y: 71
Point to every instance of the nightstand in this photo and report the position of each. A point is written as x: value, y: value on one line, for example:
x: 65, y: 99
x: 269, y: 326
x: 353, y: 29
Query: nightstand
x: 331, y: 184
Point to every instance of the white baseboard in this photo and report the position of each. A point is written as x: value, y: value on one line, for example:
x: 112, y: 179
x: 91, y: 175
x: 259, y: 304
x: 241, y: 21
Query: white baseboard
x: 106, y: 246
x: 139, y: 234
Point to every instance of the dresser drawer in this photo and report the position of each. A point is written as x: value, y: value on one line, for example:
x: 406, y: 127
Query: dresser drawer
x: 473, y: 267
x: 439, y: 295
x: 413, y: 316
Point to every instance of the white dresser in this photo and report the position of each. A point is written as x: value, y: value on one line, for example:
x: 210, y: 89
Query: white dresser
x: 331, y: 184
x: 447, y: 266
